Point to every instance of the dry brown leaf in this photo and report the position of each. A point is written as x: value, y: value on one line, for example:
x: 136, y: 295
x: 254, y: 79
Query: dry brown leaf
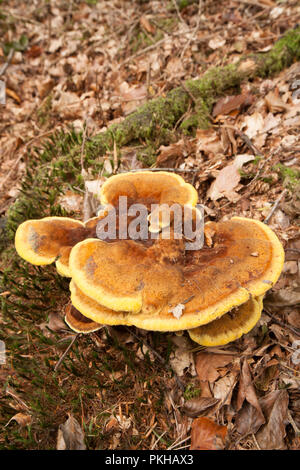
x: 132, y: 93
x: 34, y: 51
x: 230, y: 103
x: 132, y: 96
x: 223, y: 387
x: 208, y: 363
x: 283, y: 298
x: 71, y: 202
x: 175, y: 67
x: 275, y: 407
x: 207, y: 435
x: 253, y: 124
x: 112, y: 424
x: 13, y: 95
x: 181, y: 358
x: 196, y: 406
x: 146, y: 25
x: 171, y: 154
x: 21, y: 418
x: 227, y: 179
x: 208, y: 141
x: 216, y: 42
x: 68, y: 105
x: 275, y: 104
x: 249, y: 415
x: 55, y: 323
x: 294, y: 319
x: 70, y: 435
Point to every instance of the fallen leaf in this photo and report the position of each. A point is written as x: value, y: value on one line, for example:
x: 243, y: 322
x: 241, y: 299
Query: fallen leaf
x: 276, y: 12
x: 275, y: 104
x: 21, y: 418
x: 249, y: 415
x: 208, y: 141
x: 56, y: 44
x: 71, y: 202
x: 112, y: 424
x: 207, y: 435
x: 169, y: 155
x: 283, y: 298
x: 181, y: 359
x: 223, y: 388
x: 227, y: 179
x: 70, y: 436
x: 232, y: 102
x: 68, y: 105
x: 146, y: 25
x: 216, y: 43
x: 196, y: 406
x: 208, y: 363
x: 55, y: 323
x: 253, y: 124
x: 175, y: 67
x: 13, y: 95
x: 275, y: 408
x: 34, y: 51
x: 132, y: 93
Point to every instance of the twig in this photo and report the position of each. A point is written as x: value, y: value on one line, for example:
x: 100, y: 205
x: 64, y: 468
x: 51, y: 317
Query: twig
x: 175, y: 443
x: 178, y: 13
x: 158, y: 43
x: 275, y: 205
x: 296, y: 331
x: 82, y: 147
x: 244, y: 137
x: 293, y: 424
x: 195, y: 30
x: 255, y: 441
x: 65, y: 353
x: 157, y: 440
x: 176, y: 170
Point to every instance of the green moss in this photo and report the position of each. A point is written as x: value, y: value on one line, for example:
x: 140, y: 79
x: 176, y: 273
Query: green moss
x: 289, y: 175
x: 191, y: 391
x: 147, y: 156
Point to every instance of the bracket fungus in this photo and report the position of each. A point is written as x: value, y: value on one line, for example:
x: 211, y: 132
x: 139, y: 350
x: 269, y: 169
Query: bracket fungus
x: 147, y: 187
x: 214, y: 291
x: 48, y: 240
x: 231, y: 326
x: 128, y: 278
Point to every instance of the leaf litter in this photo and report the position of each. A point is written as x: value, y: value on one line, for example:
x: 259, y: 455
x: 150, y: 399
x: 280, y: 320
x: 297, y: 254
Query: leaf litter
x: 89, y: 66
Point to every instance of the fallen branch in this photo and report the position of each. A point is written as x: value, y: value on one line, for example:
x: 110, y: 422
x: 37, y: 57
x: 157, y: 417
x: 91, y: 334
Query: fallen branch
x: 156, y: 119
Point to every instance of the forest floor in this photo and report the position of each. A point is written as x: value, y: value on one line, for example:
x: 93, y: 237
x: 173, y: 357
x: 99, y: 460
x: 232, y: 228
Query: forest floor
x: 78, y: 67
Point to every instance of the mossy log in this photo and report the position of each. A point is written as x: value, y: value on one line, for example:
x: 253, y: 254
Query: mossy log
x: 57, y: 165
x: 156, y: 119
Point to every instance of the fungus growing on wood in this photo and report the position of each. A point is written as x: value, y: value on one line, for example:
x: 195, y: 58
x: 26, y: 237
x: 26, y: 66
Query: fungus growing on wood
x: 78, y: 322
x: 147, y: 187
x: 150, y: 283
x: 230, y: 326
x: 48, y: 240
x: 159, y: 284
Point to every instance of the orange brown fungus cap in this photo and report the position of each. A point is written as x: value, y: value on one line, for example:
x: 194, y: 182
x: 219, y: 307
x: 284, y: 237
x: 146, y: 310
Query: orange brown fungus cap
x: 50, y: 239
x: 79, y: 323
x: 230, y: 326
x: 150, y: 283
x: 148, y: 188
